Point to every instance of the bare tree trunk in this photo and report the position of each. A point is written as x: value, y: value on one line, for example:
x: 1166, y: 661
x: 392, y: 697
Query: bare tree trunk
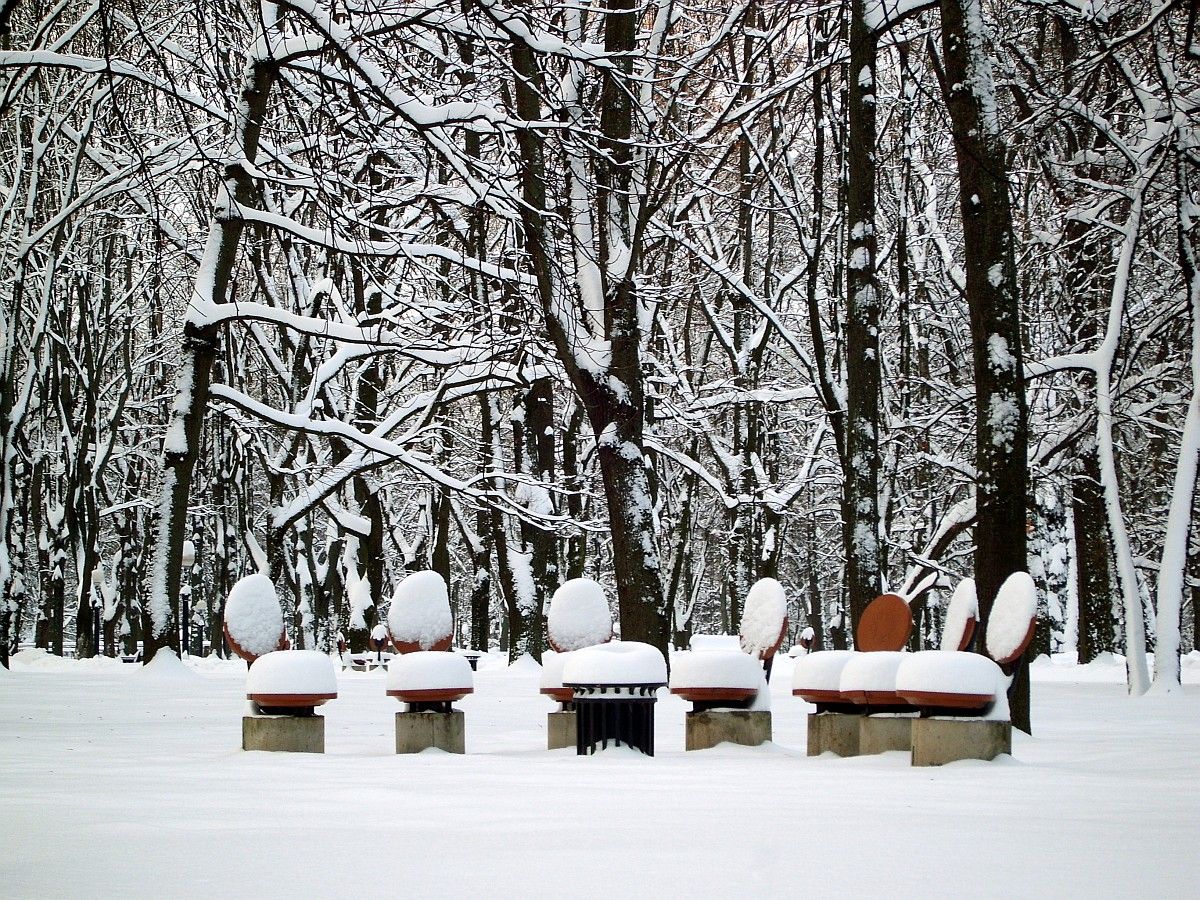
x: 1001, y: 417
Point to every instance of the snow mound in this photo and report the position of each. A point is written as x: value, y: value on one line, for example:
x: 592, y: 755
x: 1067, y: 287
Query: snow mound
x: 525, y: 663
x: 166, y: 666
x: 36, y: 658
x: 949, y: 672
x: 420, y: 611
x: 821, y: 671
x: 253, y: 617
x: 710, y: 642
x: 618, y: 662
x: 1008, y: 624
x: 963, y: 606
x: 429, y: 670
x: 578, y: 616
x: 764, y: 618
x: 715, y: 669
x: 292, y: 672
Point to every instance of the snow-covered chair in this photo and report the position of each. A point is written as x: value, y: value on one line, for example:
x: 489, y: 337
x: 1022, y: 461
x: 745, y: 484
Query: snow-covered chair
x: 844, y: 684
x: 963, y: 697
x: 615, y: 688
x: 253, y: 623
x: 419, y: 617
x: 284, y: 688
x: 726, y: 683
x: 426, y: 676
x: 578, y: 617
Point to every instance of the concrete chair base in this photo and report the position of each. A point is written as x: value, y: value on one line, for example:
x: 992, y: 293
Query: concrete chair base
x: 560, y: 729
x: 830, y: 732
x: 289, y: 734
x: 417, y: 731
x: 879, y: 734
x: 936, y: 742
x: 726, y: 726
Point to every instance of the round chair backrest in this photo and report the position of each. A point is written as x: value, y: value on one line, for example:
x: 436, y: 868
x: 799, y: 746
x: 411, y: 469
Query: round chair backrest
x: 578, y: 616
x: 885, y: 624
x: 1013, y: 620
x: 419, y: 617
x: 962, y: 615
x: 764, y: 619
x: 253, y: 621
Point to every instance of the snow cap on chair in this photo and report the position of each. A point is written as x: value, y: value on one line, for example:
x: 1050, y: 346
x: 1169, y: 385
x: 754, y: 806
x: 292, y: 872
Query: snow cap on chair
x: 819, y: 675
x: 1012, y: 619
x: 578, y: 616
x: 715, y: 669
x: 962, y: 613
x: 429, y: 670
x: 253, y: 618
x: 420, y: 613
x: 945, y: 677
x: 292, y: 672
x: 870, y: 678
x: 618, y: 662
x: 764, y: 618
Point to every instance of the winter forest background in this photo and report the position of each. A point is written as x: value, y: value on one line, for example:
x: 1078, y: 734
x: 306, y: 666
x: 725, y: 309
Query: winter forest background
x: 675, y: 295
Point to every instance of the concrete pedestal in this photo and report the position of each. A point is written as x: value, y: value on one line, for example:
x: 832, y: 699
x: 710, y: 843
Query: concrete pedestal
x: 417, y: 731
x: 731, y: 726
x: 879, y: 734
x: 936, y: 742
x: 560, y: 729
x: 289, y: 734
x: 833, y: 733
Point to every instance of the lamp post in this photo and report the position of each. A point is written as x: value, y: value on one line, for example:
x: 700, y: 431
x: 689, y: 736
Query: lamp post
x: 97, y: 581
x: 187, y: 560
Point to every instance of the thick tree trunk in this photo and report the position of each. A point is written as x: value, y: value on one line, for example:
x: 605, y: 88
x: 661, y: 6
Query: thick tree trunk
x: 861, y: 475
x: 200, y: 347
x: 1001, y: 426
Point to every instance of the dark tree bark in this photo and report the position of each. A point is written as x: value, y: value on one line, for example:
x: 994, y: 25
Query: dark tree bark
x: 1001, y: 417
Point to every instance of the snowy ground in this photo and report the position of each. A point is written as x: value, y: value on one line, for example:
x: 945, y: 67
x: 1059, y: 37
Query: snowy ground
x: 118, y: 781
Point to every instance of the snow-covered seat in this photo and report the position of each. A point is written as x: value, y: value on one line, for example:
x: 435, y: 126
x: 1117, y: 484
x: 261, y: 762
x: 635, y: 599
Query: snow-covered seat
x: 293, y: 681
x: 429, y: 677
x: 716, y: 675
x: 869, y: 679
x: 419, y: 617
x: 954, y: 681
x: 616, y: 664
x: 253, y: 623
x: 578, y: 617
x: 883, y: 628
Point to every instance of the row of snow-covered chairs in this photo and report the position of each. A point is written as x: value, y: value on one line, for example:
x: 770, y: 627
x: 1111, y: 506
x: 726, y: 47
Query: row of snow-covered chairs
x: 881, y: 677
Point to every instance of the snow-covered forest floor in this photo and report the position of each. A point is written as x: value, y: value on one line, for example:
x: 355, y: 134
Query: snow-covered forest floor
x: 121, y: 781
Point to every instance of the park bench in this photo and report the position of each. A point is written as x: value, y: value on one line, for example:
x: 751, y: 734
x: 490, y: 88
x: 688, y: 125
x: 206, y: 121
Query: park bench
x: 726, y: 678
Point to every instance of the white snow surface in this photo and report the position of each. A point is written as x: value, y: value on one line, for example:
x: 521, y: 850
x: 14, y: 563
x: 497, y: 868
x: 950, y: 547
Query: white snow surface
x: 820, y: 671
x: 292, y: 672
x: 949, y: 671
x: 429, y: 670
x: 552, y: 669
x: 706, y: 642
x: 875, y: 671
x: 963, y: 605
x: 420, y: 611
x: 126, y: 775
x: 715, y: 669
x: 1013, y: 610
x: 579, y: 615
x: 253, y: 615
x: 618, y: 662
x: 763, y: 616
